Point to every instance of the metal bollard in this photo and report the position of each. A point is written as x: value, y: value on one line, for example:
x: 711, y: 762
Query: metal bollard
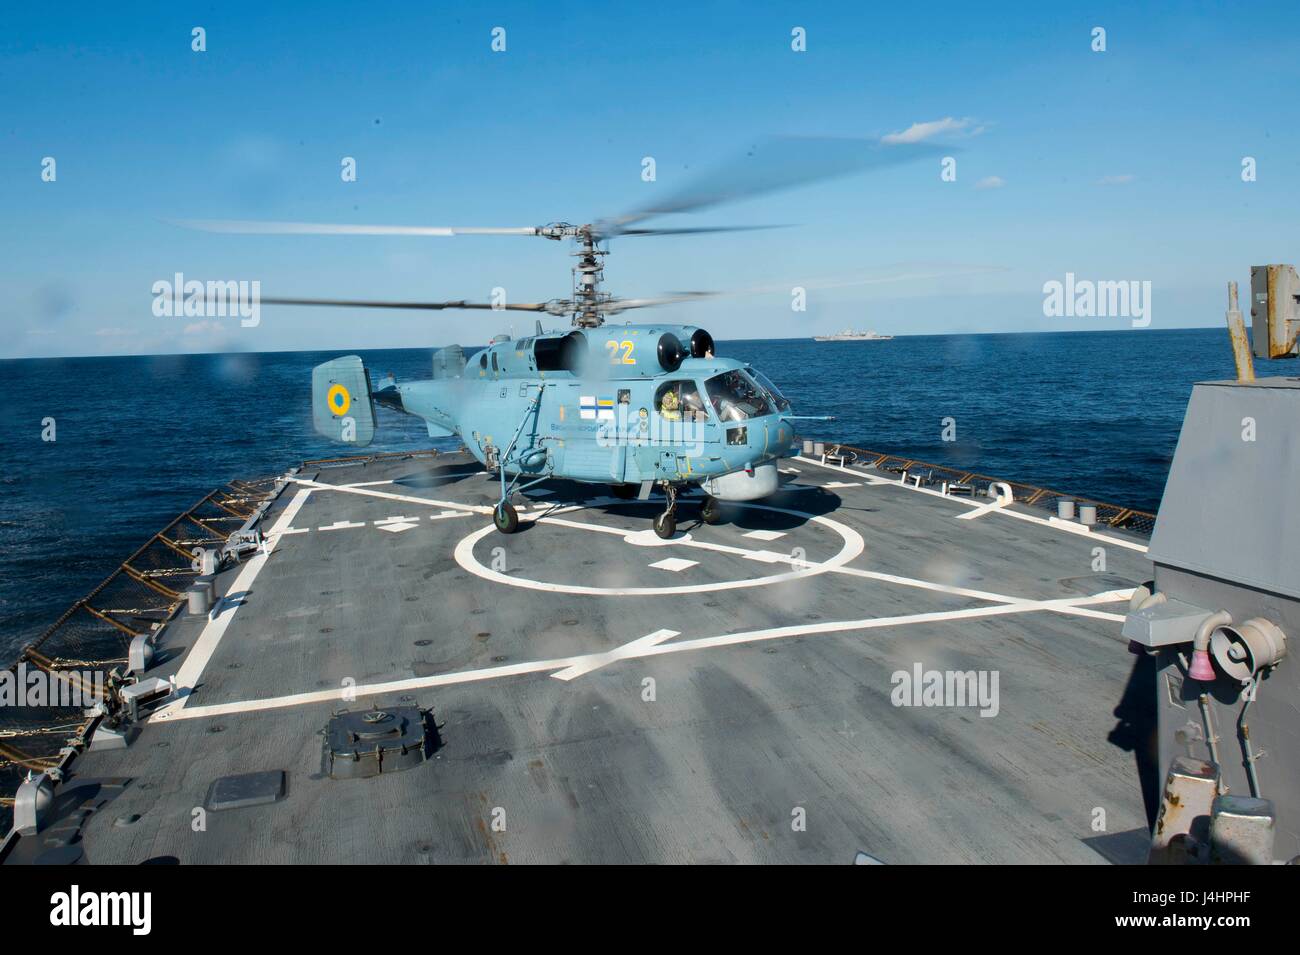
x: 807, y: 447
x: 1088, y: 514
x: 819, y: 448
x: 199, y: 598
x: 1065, y: 509
x: 140, y: 653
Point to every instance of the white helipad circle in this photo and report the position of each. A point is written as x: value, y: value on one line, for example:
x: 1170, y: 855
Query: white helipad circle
x: 853, y: 546
x: 648, y: 538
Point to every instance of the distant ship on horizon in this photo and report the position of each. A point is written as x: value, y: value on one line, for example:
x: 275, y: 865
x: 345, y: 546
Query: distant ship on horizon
x: 849, y: 335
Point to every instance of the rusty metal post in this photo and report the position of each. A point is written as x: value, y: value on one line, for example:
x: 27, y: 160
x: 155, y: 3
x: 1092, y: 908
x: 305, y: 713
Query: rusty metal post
x: 1237, y: 332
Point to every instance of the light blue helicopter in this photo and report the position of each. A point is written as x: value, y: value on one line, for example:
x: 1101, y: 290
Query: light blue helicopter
x: 632, y: 406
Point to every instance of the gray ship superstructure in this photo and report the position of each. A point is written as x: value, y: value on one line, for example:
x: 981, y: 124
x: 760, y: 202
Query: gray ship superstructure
x: 1224, y: 605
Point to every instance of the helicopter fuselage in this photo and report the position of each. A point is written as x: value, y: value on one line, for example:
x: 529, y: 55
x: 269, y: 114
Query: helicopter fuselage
x: 617, y: 414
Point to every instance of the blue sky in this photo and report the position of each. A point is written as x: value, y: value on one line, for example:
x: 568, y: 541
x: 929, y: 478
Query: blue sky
x: 1122, y: 165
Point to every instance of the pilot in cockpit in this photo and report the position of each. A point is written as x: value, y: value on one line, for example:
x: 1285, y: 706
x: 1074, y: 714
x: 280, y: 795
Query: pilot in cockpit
x: 668, y: 406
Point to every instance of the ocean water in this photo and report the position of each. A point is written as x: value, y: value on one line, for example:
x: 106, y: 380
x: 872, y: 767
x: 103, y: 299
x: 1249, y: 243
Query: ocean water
x: 138, y: 440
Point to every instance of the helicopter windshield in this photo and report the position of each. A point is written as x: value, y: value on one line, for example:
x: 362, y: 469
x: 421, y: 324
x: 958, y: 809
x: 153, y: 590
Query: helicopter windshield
x: 737, y: 397
x: 773, y: 391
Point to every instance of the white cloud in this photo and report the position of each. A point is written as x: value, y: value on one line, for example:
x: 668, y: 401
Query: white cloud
x: 991, y: 182
x: 918, y: 132
x: 1120, y: 180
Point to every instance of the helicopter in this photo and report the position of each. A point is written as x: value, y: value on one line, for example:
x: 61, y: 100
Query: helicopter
x: 632, y: 406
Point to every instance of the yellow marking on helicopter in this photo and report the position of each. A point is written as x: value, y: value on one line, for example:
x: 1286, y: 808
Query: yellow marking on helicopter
x: 626, y: 358
x: 338, y: 400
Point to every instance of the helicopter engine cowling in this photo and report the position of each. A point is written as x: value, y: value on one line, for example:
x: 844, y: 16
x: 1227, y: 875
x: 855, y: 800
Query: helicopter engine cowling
x: 644, y: 351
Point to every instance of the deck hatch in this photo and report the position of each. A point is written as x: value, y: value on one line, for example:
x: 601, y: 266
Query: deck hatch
x: 246, y: 789
x: 370, y: 742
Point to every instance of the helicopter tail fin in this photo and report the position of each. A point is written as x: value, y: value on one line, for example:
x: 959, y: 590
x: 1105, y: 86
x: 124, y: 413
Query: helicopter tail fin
x: 342, y: 409
x: 448, y: 362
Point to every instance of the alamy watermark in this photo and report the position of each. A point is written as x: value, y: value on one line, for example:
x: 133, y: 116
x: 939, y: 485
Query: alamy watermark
x: 933, y: 688
x: 1084, y: 298
x: 36, y: 687
x: 617, y: 424
x: 194, y: 299
x: 128, y: 909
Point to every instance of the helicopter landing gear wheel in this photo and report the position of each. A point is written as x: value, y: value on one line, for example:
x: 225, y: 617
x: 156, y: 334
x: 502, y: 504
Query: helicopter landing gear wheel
x: 710, y: 511
x: 506, y: 518
x: 666, y: 523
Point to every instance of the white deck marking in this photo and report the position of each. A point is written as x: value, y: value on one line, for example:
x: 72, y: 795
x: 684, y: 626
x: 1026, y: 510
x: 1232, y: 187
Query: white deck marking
x: 967, y: 502
x: 765, y: 535
x: 853, y: 546
x: 206, y: 644
x: 397, y: 527
x: 1095, y: 614
x: 844, y: 484
x: 981, y: 510
x: 389, y: 496
x: 762, y: 556
x: 443, y: 515
x: 638, y: 649
x: 342, y: 525
x: 295, y: 530
x: 860, y: 475
x: 597, y: 660
x: 434, y: 477
x: 675, y: 564
x: 772, y: 557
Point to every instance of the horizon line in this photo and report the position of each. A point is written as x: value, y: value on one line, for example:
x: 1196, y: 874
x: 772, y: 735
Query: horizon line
x: 800, y: 338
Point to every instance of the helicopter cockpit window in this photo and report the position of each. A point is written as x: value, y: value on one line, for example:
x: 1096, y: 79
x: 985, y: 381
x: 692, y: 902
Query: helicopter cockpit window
x: 680, y: 401
x: 773, y: 391
x: 737, y: 397
x: 494, y: 361
x: 482, y: 361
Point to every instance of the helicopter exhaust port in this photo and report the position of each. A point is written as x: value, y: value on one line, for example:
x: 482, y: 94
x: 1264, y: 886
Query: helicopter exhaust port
x: 670, y: 352
x: 701, y: 344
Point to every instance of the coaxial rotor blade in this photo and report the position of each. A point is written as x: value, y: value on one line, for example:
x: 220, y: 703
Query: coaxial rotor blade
x: 426, y: 306
x: 773, y: 165
x: 698, y: 229
x: 253, y: 227
x: 896, y: 273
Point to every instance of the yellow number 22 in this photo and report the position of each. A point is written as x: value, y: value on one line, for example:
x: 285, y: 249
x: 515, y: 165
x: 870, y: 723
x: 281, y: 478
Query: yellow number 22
x: 614, y: 357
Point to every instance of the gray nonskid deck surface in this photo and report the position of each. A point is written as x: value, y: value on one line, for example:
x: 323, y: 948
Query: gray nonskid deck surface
x: 750, y: 729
